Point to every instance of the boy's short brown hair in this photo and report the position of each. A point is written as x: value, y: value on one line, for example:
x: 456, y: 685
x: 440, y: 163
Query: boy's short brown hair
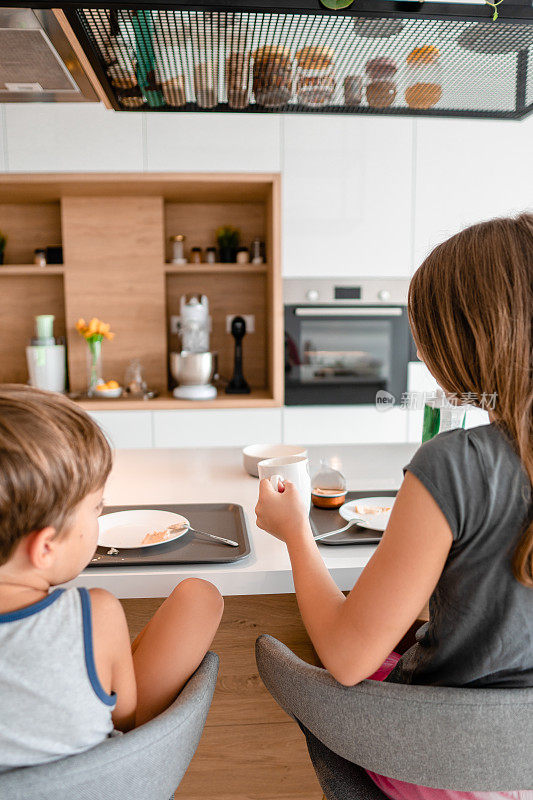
x: 52, y: 455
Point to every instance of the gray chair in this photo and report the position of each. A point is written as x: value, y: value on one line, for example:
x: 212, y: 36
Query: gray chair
x: 446, y: 738
x: 147, y: 763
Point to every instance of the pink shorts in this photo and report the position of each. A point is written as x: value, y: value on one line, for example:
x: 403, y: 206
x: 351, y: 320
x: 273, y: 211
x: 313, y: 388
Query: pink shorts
x: 400, y: 790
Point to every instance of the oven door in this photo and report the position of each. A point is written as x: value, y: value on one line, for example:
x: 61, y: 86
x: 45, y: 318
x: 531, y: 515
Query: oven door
x: 345, y: 355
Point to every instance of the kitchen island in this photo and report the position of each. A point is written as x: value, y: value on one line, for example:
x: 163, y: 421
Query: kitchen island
x: 250, y: 749
x: 214, y: 475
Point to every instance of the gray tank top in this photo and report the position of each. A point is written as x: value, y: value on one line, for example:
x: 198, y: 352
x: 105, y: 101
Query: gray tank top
x: 51, y: 701
x: 480, y: 630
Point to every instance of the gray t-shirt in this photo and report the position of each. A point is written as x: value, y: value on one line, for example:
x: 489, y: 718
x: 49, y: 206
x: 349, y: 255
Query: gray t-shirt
x: 480, y: 631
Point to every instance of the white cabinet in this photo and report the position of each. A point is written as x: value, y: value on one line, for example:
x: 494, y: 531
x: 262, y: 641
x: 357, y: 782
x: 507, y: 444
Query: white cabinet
x: 347, y: 185
x: 213, y: 142
x: 467, y: 172
x: 224, y: 427
x: 128, y: 430
x: 343, y: 425
x: 77, y: 137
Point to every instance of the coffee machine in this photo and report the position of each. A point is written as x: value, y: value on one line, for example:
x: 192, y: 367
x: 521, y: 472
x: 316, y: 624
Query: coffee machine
x: 195, y: 367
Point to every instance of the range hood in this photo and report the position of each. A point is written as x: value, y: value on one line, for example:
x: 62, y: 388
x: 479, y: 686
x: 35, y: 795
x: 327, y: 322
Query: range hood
x: 387, y: 57
x: 37, y: 60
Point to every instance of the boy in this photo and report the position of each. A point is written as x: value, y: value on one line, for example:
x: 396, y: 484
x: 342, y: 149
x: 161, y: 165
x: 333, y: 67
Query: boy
x: 68, y: 676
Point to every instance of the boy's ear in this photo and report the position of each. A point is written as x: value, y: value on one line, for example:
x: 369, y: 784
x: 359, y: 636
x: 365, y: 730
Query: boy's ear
x: 41, y: 547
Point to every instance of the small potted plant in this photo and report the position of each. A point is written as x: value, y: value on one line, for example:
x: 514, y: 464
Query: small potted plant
x: 94, y: 333
x: 228, y: 242
x: 3, y: 242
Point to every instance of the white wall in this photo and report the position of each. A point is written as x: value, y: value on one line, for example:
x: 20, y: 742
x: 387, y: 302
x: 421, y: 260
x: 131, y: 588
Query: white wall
x: 362, y: 195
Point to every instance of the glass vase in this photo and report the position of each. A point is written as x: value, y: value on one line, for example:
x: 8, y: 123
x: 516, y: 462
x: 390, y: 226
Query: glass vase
x: 94, y: 366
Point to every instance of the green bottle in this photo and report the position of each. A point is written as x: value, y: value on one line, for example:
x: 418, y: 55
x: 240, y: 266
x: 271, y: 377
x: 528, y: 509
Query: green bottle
x: 441, y: 415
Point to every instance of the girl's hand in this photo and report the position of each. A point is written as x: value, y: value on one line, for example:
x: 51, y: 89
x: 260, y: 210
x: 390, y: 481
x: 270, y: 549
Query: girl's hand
x: 282, y: 514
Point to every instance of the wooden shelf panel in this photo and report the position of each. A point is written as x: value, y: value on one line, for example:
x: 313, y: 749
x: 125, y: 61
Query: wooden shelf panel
x: 257, y: 399
x: 188, y: 269
x: 30, y: 269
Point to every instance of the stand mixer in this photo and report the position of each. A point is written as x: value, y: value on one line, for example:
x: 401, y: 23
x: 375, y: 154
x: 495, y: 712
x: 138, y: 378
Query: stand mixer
x: 195, y: 366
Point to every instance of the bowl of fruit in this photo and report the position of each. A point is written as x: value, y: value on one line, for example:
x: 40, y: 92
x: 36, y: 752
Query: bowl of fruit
x: 111, y: 390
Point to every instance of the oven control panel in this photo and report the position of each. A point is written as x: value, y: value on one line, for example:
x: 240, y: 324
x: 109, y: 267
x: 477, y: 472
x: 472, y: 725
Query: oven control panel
x: 345, y: 291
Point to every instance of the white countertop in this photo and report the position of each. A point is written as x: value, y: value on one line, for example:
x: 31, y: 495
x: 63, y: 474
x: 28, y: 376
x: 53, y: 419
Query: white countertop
x: 212, y: 475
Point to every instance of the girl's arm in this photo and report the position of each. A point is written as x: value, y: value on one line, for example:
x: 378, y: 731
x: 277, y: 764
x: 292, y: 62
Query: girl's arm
x: 112, y: 655
x: 354, y: 635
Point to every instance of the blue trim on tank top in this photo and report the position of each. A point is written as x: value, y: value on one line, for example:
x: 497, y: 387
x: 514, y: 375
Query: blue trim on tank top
x: 28, y: 611
x: 108, y: 699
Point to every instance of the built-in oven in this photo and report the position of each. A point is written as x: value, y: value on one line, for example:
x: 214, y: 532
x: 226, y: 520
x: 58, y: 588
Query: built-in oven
x: 345, y: 340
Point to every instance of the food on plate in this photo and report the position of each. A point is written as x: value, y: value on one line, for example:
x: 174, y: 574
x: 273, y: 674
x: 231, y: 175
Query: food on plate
x: 423, y: 95
x: 381, y: 67
x: 381, y: 94
x: 365, y: 510
x: 156, y: 537
x: 421, y: 56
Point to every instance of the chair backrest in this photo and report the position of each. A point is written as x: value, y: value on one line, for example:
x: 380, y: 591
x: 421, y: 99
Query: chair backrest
x: 445, y: 738
x: 147, y: 763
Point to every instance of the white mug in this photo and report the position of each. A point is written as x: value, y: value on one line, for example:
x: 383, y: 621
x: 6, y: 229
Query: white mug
x: 289, y: 468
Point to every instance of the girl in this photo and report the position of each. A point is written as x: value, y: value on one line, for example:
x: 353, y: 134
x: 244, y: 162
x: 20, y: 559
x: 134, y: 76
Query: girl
x: 461, y: 530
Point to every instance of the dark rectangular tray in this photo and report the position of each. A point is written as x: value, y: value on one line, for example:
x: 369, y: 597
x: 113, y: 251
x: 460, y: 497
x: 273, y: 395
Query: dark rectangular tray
x: 324, y: 520
x: 222, y: 519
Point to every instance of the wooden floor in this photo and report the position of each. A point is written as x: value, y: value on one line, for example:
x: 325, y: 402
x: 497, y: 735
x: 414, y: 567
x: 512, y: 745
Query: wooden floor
x: 250, y: 750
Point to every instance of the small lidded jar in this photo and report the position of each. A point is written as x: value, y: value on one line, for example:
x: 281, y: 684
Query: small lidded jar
x: 423, y: 77
x: 238, y: 74
x: 381, y: 89
x: 315, y: 81
x: 168, y: 74
x: 196, y: 255
x: 243, y: 255
x: 272, y: 82
x: 328, y: 486
x: 39, y: 257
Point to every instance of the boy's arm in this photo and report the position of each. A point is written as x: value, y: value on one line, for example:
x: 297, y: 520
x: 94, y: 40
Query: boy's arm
x: 112, y: 655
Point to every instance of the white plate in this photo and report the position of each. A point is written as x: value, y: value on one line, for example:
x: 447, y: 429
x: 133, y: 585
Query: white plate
x: 126, y: 529
x: 376, y: 522
x: 108, y: 393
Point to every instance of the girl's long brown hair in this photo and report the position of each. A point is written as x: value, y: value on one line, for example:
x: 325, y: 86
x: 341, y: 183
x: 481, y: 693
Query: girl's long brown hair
x: 471, y: 307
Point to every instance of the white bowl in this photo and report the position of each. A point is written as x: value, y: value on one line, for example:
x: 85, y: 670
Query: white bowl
x: 107, y: 393
x: 254, y: 453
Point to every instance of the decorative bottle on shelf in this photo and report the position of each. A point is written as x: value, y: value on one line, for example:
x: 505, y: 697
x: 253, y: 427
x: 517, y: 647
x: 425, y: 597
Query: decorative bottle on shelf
x: 178, y: 253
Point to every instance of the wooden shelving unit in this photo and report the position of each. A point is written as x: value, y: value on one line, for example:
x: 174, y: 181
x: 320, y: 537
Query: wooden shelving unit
x: 115, y: 230
x: 239, y: 269
x: 257, y: 399
x: 30, y: 269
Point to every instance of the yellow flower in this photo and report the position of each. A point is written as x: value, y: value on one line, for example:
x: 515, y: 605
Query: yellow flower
x: 96, y: 328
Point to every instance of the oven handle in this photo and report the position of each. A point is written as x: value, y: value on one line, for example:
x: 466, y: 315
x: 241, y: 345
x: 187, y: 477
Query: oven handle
x: 348, y: 312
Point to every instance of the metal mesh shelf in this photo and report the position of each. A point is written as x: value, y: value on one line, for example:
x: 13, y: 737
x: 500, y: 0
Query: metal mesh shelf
x: 260, y: 61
